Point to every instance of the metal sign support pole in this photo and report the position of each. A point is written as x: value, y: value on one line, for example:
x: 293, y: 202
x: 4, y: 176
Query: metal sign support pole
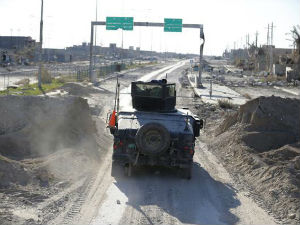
x: 199, y: 80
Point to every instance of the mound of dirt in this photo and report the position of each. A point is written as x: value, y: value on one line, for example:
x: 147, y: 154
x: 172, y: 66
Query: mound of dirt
x: 12, y: 172
x: 260, y: 145
x: 270, y: 122
x: 283, y: 156
x: 79, y: 89
x: 33, y: 126
x: 34, y: 129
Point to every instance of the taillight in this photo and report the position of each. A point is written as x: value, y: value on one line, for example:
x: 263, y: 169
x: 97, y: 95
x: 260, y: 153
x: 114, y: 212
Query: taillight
x: 117, y: 145
x: 189, y: 149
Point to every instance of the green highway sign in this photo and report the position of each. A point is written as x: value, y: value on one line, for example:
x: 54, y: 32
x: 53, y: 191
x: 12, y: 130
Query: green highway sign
x: 173, y: 25
x: 115, y: 23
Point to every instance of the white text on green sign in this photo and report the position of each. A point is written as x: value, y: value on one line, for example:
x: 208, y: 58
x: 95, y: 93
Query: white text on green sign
x: 172, y: 25
x: 115, y: 23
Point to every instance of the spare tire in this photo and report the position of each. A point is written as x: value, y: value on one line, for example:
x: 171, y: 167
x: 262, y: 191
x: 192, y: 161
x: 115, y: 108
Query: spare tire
x: 152, y: 139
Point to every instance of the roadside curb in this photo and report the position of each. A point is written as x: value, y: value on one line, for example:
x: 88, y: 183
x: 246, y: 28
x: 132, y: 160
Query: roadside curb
x: 217, y: 93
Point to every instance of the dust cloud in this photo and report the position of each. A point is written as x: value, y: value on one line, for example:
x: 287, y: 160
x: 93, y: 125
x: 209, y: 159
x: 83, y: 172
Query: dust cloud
x: 45, y: 138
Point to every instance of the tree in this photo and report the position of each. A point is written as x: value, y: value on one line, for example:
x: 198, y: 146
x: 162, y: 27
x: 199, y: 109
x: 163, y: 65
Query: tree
x: 296, y: 38
x: 296, y: 41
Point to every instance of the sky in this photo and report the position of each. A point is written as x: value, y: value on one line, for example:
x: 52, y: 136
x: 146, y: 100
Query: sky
x: 67, y: 22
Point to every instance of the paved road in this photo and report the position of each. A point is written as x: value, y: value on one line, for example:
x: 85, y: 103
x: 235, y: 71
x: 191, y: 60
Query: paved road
x: 159, y: 196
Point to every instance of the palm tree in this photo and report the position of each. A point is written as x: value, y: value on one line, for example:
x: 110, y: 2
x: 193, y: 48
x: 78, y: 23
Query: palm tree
x: 295, y: 33
x: 296, y: 38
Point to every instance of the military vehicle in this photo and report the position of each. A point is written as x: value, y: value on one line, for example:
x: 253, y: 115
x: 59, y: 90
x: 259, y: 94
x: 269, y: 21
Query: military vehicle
x: 154, y: 132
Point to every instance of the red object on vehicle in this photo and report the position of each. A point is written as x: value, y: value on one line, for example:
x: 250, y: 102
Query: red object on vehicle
x: 112, y: 120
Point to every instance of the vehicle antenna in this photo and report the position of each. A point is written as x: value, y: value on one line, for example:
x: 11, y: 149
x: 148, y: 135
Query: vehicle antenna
x: 118, y: 95
x: 187, y: 121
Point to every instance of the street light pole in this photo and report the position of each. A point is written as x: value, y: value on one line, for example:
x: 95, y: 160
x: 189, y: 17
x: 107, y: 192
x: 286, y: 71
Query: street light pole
x: 96, y: 33
x: 41, y: 47
x: 91, y: 52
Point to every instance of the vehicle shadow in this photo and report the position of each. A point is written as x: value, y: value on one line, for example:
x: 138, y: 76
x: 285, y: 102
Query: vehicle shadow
x: 201, y: 200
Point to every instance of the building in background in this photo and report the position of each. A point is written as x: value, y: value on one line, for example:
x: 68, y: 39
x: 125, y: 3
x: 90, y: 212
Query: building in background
x: 16, y: 42
x: 24, y: 50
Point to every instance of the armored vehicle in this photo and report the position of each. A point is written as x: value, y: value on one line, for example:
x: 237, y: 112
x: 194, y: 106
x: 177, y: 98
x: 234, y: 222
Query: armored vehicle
x: 154, y: 132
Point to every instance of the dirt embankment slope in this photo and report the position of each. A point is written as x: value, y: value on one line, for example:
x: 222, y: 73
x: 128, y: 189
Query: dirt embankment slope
x: 35, y: 126
x: 47, y: 144
x: 260, y: 144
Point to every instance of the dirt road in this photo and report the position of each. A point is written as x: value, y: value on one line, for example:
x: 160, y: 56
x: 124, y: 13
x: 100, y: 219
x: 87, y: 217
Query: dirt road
x: 158, y: 195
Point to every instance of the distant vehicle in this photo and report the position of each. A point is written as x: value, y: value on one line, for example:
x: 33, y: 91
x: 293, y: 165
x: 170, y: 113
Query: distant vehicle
x: 5, y: 59
x: 196, y: 68
x: 154, y: 133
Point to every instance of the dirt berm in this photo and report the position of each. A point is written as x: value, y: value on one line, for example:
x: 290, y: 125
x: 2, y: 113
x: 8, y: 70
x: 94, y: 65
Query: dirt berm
x: 260, y: 144
x: 50, y: 150
x: 36, y: 127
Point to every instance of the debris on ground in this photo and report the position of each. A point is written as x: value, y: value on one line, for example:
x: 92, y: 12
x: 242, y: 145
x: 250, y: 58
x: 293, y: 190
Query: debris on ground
x: 23, y: 82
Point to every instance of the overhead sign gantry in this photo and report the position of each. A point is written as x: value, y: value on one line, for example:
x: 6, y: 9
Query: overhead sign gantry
x: 127, y: 23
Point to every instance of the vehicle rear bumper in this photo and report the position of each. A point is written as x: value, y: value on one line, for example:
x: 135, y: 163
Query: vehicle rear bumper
x: 152, y: 161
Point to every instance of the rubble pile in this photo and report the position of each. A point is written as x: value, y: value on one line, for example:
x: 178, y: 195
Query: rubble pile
x: 252, y: 81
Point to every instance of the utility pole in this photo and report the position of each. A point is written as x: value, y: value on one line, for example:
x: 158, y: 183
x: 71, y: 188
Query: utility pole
x: 268, y: 34
x: 96, y: 32
x: 256, y: 38
x: 11, y: 38
x: 271, y: 50
x: 247, y: 41
x: 241, y: 42
x: 122, y: 51
x: 268, y: 46
x: 91, y: 53
x: 256, y: 58
x: 96, y: 20
x: 41, y: 48
x: 151, y: 39
x: 248, y: 44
